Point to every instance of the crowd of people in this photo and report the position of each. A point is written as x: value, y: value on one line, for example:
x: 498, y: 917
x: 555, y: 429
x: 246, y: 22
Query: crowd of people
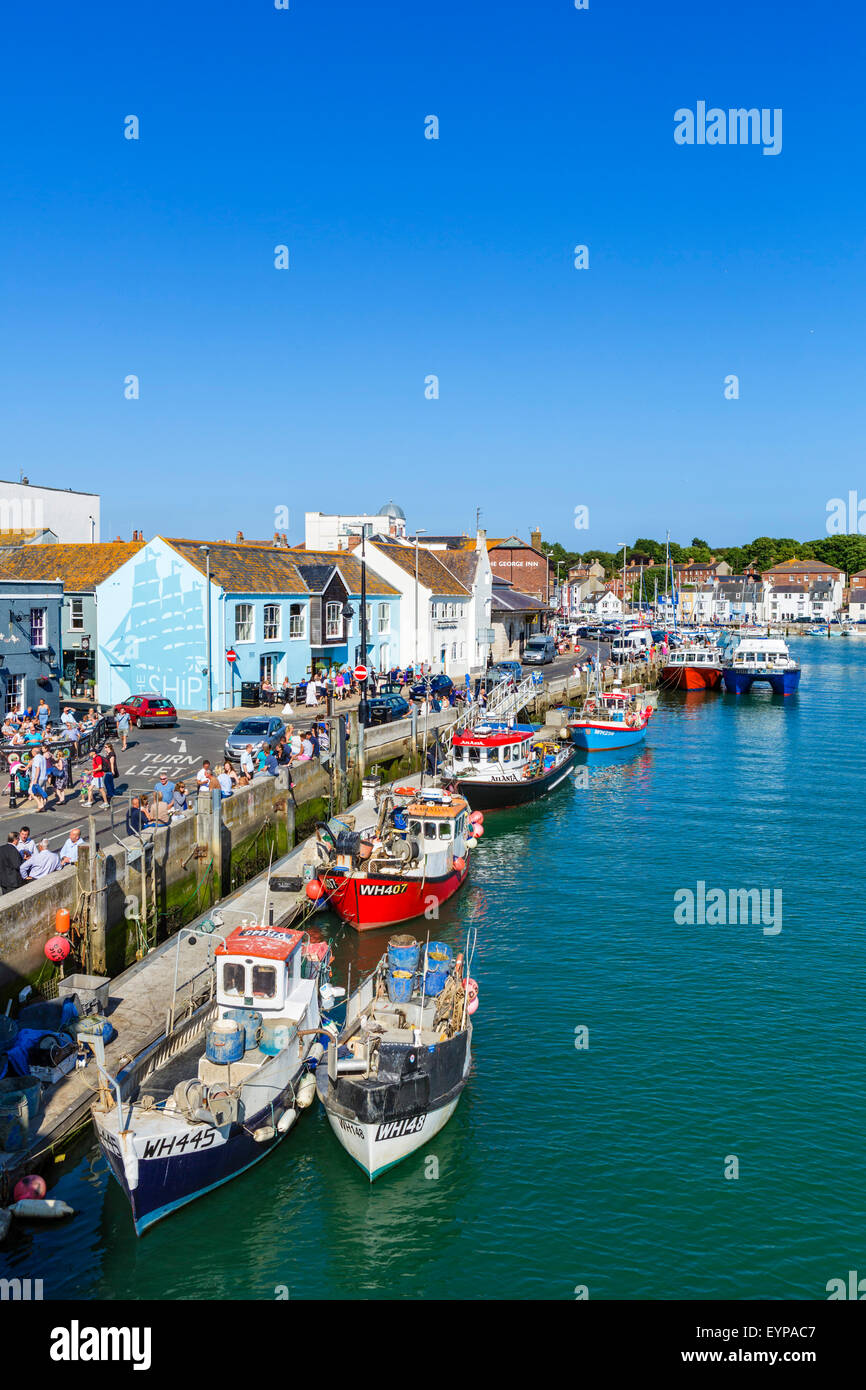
x: 40, y: 769
x: 23, y: 859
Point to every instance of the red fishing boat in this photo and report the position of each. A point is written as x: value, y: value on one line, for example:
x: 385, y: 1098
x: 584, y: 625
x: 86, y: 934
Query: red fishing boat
x: 417, y: 856
x: 693, y: 668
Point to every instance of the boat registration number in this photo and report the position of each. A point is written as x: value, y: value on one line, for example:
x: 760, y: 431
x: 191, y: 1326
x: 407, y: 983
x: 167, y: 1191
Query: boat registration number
x: 347, y: 1125
x: 177, y: 1143
x: 381, y: 890
x: 395, y: 1129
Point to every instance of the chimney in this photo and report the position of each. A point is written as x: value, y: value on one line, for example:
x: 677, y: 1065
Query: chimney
x: 239, y: 536
x: 481, y: 540
x: 535, y: 539
x: 285, y: 540
x: 352, y: 542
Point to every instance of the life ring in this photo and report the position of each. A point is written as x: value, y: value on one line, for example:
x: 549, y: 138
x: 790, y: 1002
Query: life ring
x: 471, y: 988
x: 590, y: 707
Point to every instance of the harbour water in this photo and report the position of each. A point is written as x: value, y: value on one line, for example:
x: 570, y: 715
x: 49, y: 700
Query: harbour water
x: 601, y: 1166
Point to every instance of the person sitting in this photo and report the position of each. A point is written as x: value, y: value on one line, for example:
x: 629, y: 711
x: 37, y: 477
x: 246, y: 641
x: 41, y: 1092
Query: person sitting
x: 179, y: 801
x: 159, y: 810
x: 137, y: 818
x: 44, y: 861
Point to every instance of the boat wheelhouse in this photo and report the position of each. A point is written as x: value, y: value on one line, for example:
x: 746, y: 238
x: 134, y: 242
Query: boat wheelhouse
x: 417, y: 853
x: 497, y: 764
x: 693, y: 667
x: 761, y: 659
x: 225, y: 1085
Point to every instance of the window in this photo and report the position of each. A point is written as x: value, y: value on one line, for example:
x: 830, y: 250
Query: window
x: 270, y: 667
x: 333, y: 620
x: 273, y: 619
x: 76, y: 614
x: 297, y: 620
x: 445, y: 830
x: 384, y: 617
x: 233, y: 979
x: 453, y: 651
x: 37, y: 627
x: 243, y: 622
x: 264, y: 982
x: 506, y: 753
x: 429, y: 830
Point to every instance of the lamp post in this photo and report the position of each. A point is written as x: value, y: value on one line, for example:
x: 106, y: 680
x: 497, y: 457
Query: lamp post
x: 624, y: 545
x: 419, y: 531
x: 206, y: 549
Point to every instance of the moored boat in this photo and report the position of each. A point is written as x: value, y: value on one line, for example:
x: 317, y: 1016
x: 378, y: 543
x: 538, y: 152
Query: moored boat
x: 226, y: 1085
x: 761, y: 659
x: 615, y: 718
x: 496, y: 765
x: 393, y: 1077
x: 417, y: 855
x: 693, y: 667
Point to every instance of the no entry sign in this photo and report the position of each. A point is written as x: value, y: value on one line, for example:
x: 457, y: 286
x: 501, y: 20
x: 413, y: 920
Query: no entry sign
x: 231, y: 656
x: 360, y: 673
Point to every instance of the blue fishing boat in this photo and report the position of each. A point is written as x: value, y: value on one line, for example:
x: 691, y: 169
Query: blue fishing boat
x: 761, y: 659
x: 611, y: 719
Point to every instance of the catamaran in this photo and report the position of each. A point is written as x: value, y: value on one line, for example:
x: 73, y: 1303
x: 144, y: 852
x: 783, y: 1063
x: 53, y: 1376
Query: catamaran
x: 761, y: 659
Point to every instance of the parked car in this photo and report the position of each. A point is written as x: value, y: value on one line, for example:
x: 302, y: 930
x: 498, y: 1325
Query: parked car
x: 390, y: 688
x: 257, y: 730
x: 502, y: 670
x: 144, y: 710
x: 432, y: 685
x: 590, y: 630
x: 384, y: 709
x: 538, y: 651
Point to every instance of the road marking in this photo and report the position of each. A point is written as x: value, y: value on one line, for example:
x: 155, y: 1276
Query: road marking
x: 182, y: 742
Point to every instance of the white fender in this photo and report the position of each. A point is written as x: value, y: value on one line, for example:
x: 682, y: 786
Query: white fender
x: 46, y: 1208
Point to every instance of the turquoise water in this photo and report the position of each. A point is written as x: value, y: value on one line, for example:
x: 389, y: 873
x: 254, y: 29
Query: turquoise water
x: 602, y: 1167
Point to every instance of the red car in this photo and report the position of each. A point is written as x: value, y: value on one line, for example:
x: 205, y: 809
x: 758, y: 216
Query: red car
x: 147, y: 709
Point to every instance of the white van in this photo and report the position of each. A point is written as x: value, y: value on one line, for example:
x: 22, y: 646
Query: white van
x: 629, y: 645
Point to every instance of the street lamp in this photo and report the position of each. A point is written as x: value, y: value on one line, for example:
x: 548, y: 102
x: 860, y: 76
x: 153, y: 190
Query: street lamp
x: 419, y: 531
x: 363, y: 707
x: 206, y: 549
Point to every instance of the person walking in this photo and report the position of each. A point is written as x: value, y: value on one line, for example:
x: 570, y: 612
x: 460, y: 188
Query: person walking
x: 43, y: 714
x: 122, y: 723
x: 38, y: 772
x: 311, y: 698
x: 59, y: 773
x: 248, y: 766
x: 97, y: 779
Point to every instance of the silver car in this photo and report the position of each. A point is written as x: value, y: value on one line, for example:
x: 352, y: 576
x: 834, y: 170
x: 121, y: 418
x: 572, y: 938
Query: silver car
x: 257, y: 730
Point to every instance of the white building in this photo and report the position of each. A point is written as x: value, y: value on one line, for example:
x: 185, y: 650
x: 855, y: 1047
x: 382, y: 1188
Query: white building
x: 329, y: 531
x: 604, y: 604
x: 72, y: 516
x: 452, y: 599
x: 857, y: 605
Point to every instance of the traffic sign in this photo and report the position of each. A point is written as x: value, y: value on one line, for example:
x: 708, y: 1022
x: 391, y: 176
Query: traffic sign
x: 231, y: 655
x: 360, y: 673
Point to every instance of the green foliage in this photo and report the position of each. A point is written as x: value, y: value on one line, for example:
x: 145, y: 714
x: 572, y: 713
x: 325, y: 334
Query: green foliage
x: 846, y: 552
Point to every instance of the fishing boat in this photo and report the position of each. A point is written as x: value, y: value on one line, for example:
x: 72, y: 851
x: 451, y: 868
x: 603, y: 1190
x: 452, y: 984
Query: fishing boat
x: 615, y: 718
x: 693, y: 667
x: 495, y: 765
x: 761, y: 659
x: 416, y: 855
x: 224, y: 1087
x: 393, y: 1077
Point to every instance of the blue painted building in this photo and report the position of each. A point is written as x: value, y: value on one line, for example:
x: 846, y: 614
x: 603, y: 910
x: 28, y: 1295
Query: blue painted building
x: 30, y: 644
x: 284, y: 612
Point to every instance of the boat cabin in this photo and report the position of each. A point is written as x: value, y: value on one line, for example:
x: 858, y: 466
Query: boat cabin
x: 487, y: 748
x: 753, y: 653
x: 707, y: 657
x: 260, y: 967
x: 436, y: 821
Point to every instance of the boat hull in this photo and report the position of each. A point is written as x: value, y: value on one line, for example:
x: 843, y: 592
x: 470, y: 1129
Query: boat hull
x: 741, y: 682
x: 378, y: 1147
x: 501, y: 793
x: 598, y: 737
x: 372, y: 902
x: 690, y: 677
x: 158, y: 1178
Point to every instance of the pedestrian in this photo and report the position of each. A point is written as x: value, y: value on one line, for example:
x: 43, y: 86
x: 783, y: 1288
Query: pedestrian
x: 204, y: 774
x: 248, y: 766
x: 122, y: 723
x: 38, y: 770
x: 110, y: 761
x: 311, y: 698
x: 59, y: 774
x: 43, y: 714
x: 10, y: 864
x: 97, y: 779
x: 227, y: 779
x: 179, y: 801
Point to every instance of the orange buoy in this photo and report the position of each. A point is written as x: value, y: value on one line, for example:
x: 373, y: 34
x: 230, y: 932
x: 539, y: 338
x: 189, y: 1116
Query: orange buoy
x: 476, y: 818
x: 459, y: 863
x: 315, y: 889
x: 61, y: 920
x: 478, y: 830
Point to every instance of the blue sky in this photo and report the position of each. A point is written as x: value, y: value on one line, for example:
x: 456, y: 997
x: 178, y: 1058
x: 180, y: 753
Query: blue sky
x: 558, y: 388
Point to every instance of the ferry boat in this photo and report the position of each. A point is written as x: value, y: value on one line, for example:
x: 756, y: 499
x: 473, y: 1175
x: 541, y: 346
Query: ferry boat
x: 761, y: 659
x: 495, y: 765
x: 693, y: 667
x: 615, y: 718
x: 227, y: 1085
x: 393, y: 1077
x: 417, y: 852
